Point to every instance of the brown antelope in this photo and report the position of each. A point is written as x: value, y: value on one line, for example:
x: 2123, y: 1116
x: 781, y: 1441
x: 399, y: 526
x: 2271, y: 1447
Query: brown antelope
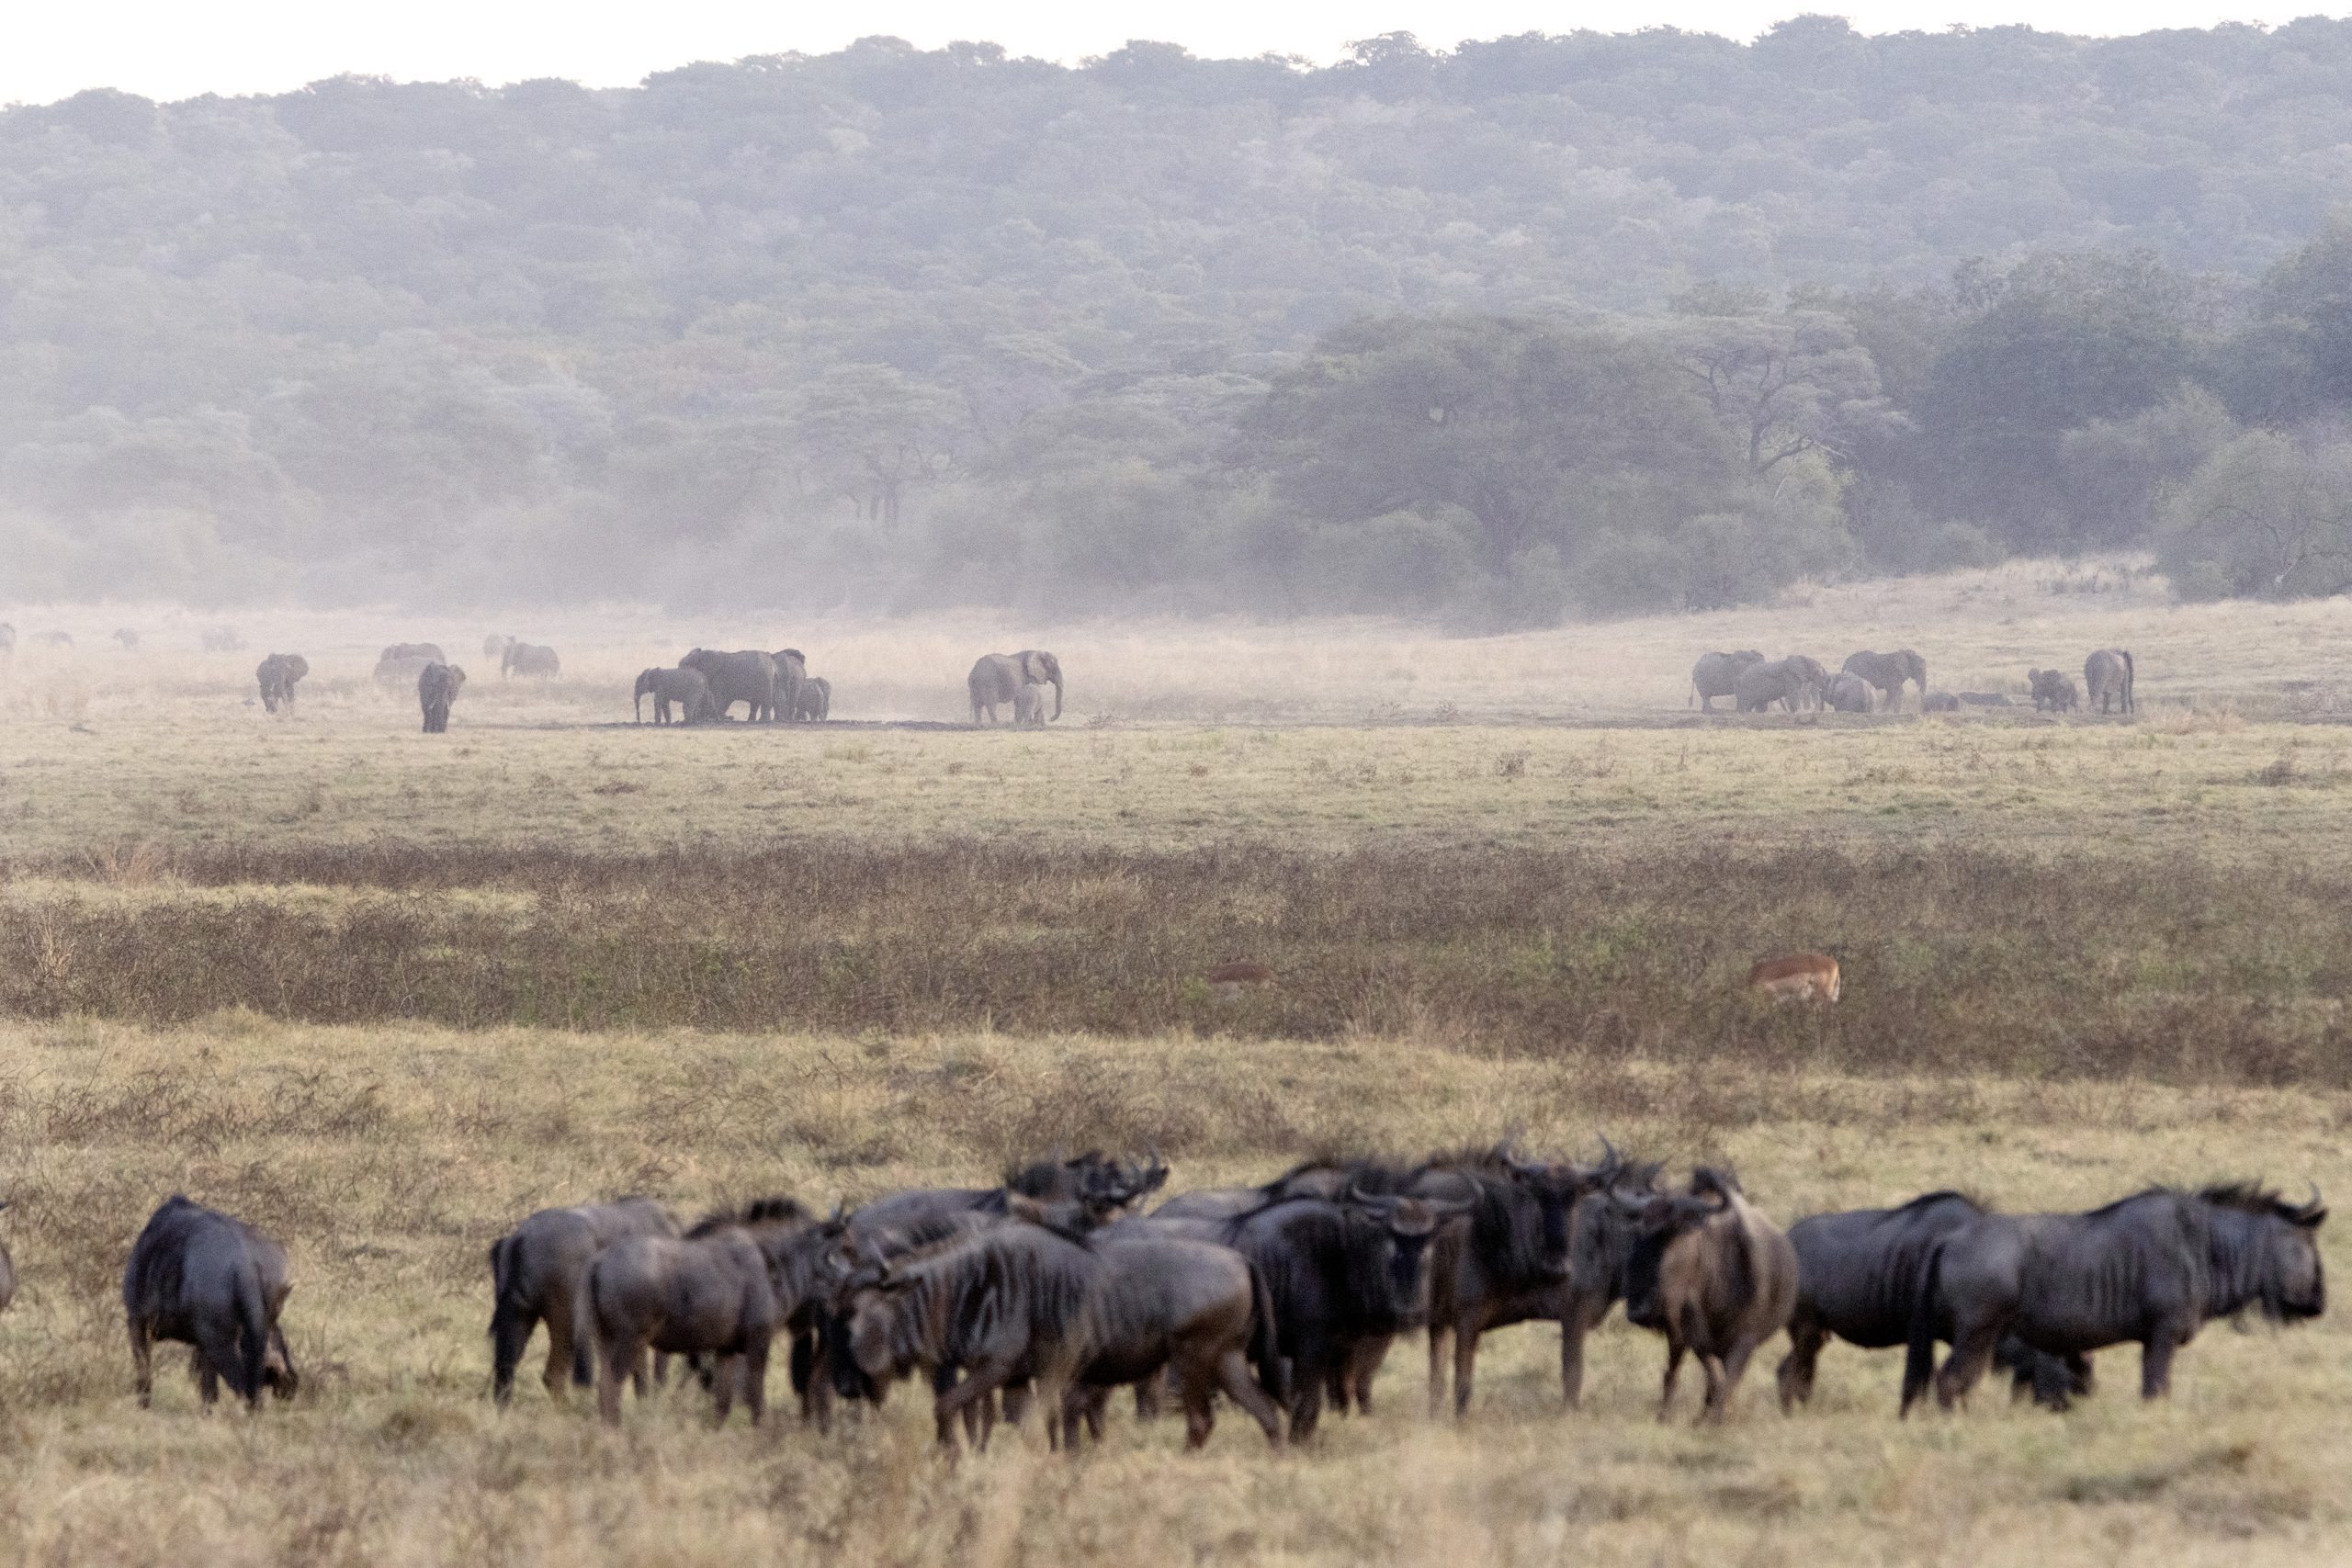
x: 1229, y: 980
x: 1800, y: 976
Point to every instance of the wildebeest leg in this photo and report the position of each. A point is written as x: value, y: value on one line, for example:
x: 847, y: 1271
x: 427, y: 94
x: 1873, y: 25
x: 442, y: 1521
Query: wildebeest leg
x: 1572, y: 1358
x: 1465, y: 1367
x: 1711, y: 1409
x: 1437, y: 1367
x: 142, y: 1363
x: 1148, y: 1391
x: 615, y: 1355
x: 1233, y: 1374
x: 754, y: 1369
x: 1971, y: 1352
x: 1310, y: 1366
x: 2155, y: 1363
x: 1673, y: 1370
x: 1364, y: 1365
x: 1728, y: 1372
x: 980, y: 1383
x: 1196, y: 1382
x: 565, y: 1363
x: 1797, y: 1370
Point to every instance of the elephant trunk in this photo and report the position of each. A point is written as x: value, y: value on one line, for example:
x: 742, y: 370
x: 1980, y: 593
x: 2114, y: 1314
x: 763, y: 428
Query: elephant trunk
x: 1057, y: 694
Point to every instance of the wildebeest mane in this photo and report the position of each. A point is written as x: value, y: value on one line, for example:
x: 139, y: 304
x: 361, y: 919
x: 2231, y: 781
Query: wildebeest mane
x: 759, y: 1211
x: 1506, y: 1224
x: 2249, y: 1196
x: 1943, y: 1195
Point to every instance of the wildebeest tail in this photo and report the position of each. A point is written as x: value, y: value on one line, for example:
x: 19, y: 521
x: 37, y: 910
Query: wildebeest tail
x: 510, y: 1321
x: 1919, y: 1357
x: 1265, y: 1340
x: 253, y: 1335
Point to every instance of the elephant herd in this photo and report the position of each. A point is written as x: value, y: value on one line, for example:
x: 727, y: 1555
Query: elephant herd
x: 1871, y: 681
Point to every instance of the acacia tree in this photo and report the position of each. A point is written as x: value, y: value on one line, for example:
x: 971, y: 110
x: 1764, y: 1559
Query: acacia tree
x: 1787, y: 383
x: 2268, y: 517
x: 871, y: 432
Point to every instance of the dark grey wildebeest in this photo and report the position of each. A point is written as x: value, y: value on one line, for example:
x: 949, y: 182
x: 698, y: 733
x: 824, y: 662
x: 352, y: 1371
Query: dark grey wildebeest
x: 2108, y: 676
x: 2152, y: 1268
x: 1888, y: 671
x: 714, y: 1291
x: 200, y: 1278
x: 1192, y: 1308
x: 1716, y: 1278
x: 1858, y: 1280
x: 1717, y: 675
x: 535, y: 1272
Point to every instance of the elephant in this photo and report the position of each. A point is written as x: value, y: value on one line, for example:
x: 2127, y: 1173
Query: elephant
x: 529, y: 658
x: 222, y: 640
x: 1783, y: 681
x: 1717, y: 675
x: 495, y: 645
x: 2053, y: 690
x: 791, y: 675
x: 687, y: 688
x: 816, y: 700
x: 747, y: 676
x: 1888, y: 671
x: 404, y: 661
x: 1029, y: 705
x: 1986, y: 700
x: 1847, y: 693
x: 277, y: 674
x: 437, y: 686
x: 2107, y: 676
x: 1938, y: 702
x: 998, y: 678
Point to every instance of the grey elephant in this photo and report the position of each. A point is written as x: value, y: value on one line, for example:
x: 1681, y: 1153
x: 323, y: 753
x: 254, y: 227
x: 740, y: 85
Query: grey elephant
x: 686, y: 688
x: 1783, y: 680
x: 1888, y: 671
x: 1717, y: 675
x: 1029, y: 705
x: 1846, y: 694
x: 277, y: 674
x: 404, y: 661
x: 529, y: 658
x: 747, y: 676
x: 816, y: 700
x: 791, y: 675
x: 2053, y: 690
x: 437, y: 686
x: 998, y: 678
x: 2106, y: 677
x: 495, y: 645
x: 222, y: 640
x: 1938, y: 702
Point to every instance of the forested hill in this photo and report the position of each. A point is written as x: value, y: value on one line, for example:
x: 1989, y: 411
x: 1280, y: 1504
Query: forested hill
x: 1535, y: 326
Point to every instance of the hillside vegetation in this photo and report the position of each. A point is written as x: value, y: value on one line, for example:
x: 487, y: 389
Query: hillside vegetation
x: 1538, y: 327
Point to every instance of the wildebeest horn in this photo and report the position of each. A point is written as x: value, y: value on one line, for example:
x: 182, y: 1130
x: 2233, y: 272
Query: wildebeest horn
x: 1379, y: 1202
x: 2310, y: 1214
x: 840, y: 1208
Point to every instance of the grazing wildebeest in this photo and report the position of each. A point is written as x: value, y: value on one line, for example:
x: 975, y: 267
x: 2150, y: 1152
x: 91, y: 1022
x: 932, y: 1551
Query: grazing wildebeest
x: 7, y: 1269
x: 534, y: 1272
x: 1888, y: 671
x: 1508, y: 1264
x: 1858, y: 1280
x: 689, y: 689
x: 200, y: 1278
x: 529, y: 658
x: 1717, y: 675
x: 2053, y: 690
x: 2107, y: 676
x: 277, y: 675
x: 1715, y: 1276
x: 1800, y: 977
x: 713, y: 1292
x: 1194, y: 1308
x: 1001, y: 1305
x: 437, y: 686
x: 2153, y: 1268
x: 1341, y: 1275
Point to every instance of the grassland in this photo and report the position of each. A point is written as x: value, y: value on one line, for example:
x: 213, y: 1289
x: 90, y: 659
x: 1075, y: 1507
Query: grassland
x: 384, y: 993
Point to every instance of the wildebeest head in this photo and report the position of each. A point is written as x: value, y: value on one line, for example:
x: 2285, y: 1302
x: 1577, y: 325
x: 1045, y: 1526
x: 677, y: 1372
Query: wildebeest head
x: 2265, y: 1251
x: 1406, y: 1227
x: 1557, y: 1186
x: 1662, y: 1217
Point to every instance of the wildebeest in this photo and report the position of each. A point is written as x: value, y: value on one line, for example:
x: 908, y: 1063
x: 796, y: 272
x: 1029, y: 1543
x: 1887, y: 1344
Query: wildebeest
x: 1193, y: 1307
x: 200, y: 1278
x: 2153, y: 1268
x: 437, y: 686
x: 1507, y: 1266
x: 2053, y: 690
x: 1888, y: 671
x: 277, y: 675
x: 534, y: 1272
x: 529, y: 658
x: 1800, y: 977
x: 1341, y: 1275
x: 1715, y: 1277
x: 1717, y: 675
x: 713, y: 1292
x: 1004, y: 1303
x: 1858, y: 1280
x: 2107, y: 676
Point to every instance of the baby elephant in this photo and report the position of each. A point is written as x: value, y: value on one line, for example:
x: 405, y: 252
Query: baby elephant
x: 200, y: 1278
x: 1029, y: 705
x: 814, y: 701
x: 437, y: 686
x: 2053, y: 690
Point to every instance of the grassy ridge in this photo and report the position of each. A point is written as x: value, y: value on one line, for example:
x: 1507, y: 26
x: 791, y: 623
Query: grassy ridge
x: 1958, y: 959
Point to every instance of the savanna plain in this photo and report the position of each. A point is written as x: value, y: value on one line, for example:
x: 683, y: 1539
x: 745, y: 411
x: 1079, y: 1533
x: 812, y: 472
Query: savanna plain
x: 384, y: 993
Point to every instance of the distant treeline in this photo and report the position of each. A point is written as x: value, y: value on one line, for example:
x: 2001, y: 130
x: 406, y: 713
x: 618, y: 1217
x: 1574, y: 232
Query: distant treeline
x: 1540, y: 326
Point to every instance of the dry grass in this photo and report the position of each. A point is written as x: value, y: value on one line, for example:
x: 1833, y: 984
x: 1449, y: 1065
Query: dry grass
x: 388, y: 1159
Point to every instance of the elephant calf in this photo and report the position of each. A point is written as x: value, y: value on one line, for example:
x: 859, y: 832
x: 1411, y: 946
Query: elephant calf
x: 689, y: 689
x: 1029, y: 705
x: 436, y: 687
x: 998, y: 678
x: 2054, y: 691
x: 814, y: 701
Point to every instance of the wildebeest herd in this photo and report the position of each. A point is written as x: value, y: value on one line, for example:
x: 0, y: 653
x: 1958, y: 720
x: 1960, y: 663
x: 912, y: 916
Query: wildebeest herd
x: 1059, y: 1286
x: 1870, y: 683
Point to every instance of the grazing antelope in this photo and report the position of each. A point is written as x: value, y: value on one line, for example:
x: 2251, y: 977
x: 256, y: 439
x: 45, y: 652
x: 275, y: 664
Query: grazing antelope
x: 1229, y: 980
x: 1800, y: 976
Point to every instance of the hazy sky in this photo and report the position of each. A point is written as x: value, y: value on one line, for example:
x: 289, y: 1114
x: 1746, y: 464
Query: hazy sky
x: 175, y: 49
